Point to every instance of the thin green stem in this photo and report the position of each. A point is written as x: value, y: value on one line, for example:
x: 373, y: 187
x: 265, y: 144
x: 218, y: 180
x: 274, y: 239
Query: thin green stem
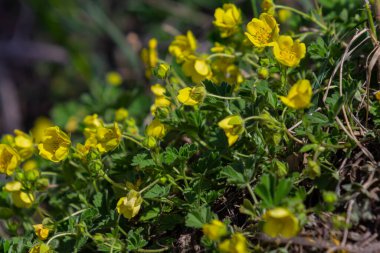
x: 133, y: 140
x: 72, y: 215
x: 370, y: 20
x: 109, y: 180
x: 149, y: 186
x: 254, y: 8
x: 252, y: 193
x: 221, y: 97
x: 222, y: 55
x: 153, y: 250
x: 59, y: 235
x: 252, y: 118
x: 303, y: 14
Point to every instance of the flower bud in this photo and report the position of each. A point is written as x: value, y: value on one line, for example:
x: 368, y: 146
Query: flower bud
x: 263, y: 73
x: 150, y: 142
x: 161, y: 71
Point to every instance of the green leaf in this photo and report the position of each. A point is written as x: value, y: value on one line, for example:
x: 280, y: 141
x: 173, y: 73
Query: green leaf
x: 197, y: 218
x: 150, y: 214
x: 308, y: 147
x: 135, y: 240
x: 142, y: 161
x: 157, y: 191
x: 233, y: 176
x: 98, y: 197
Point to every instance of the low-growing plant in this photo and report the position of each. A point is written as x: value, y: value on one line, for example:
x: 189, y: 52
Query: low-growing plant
x: 266, y: 142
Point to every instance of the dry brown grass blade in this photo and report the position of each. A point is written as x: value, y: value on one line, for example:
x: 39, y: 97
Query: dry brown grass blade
x: 374, y: 59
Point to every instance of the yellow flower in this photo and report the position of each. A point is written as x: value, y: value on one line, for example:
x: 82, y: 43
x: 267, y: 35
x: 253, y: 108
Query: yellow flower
x: 72, y: 124
x: 183, y: 46
x: 41, y: 232
x: 299, y: 96
x: 233, y: 75
x: 20, y: 198
x: 227, y: 19
x: 9, y: 159
x: 108, y: 138
x: 289, y: 52
x: 81, y: 150
x: 377, y: 95
x: 23, y: 143
x: 263, y: 73
x: 268, y: 6
x: 55, y: 144
x: 156, y: 129
x: 191, y: 96
x: 280, y: 222
x: 284, y: 15
x: 121, y: 114
x: 40, y: 248
x: 29, y: 165
x: 197, y: 68
x: 233, y: 127
x: 215, y: 230
x: 130, y: 205
x: 38, y: 130
x: 149, y: 57
x: 158, y: 90
x: 262, y: 31
x: 162, y: 70
x: 114, y: 78
x: 92, y: 121
x: 237, y: 244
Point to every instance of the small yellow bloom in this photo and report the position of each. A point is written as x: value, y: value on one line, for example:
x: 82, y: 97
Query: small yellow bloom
x: 191, y: 96
x: 156, y: 129
x: 23, y: 143
x: 130, y: 205
x: 289, y: 52
x: 233, y: 75
x: 72, y: 124
x: 263, y: 73
x: 233, y: 127
x: 29, y: 165
x: 92, y: 121
x: 81, y: 150
x: 108, y: 138
x: 263, y: 31
x: 149, y: 57
x: 9, y: 159
x: 55, y: 144
x: 183, y: 46
x: 215, y: 230
x: 113, y: 78
x: 299, y: 96
x: 20, y: 198
x: 197, y: 68
x: 284, y: 15
x: 268, y: 6
x: 377, y: 95
x: 280, y: 222
x: 227, y: 19
x: 41, y: 232
x: 158, y: 90
x: 237, y: 244
x: 39, y: 127
x: 40, y: 248
x: 162, y: 70
x: 121, y: 114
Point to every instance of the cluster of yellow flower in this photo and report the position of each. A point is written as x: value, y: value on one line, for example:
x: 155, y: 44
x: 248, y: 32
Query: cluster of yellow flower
x: 277, y: 222
x: 222, y: 65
